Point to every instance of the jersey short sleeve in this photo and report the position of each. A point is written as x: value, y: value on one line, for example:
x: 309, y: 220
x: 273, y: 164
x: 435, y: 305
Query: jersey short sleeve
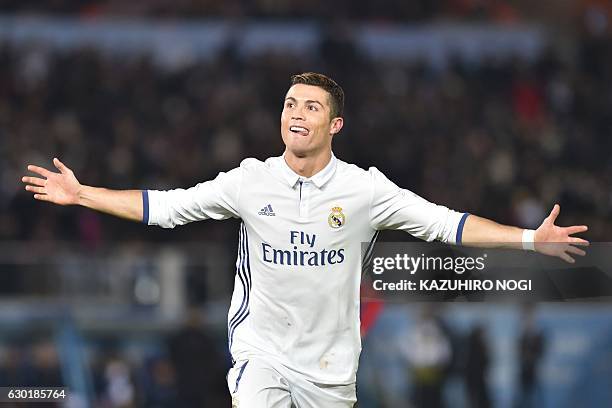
x: 215, y: 199
x: 396, y: 208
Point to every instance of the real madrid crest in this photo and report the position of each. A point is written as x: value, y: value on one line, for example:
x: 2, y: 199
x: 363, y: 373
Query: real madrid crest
x: 336, y: 219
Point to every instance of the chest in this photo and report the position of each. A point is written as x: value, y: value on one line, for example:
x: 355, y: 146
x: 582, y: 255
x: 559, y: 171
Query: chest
x: 305, y: 215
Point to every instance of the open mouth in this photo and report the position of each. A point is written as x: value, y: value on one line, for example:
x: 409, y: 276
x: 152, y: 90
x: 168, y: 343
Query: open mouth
x: 299, y: 130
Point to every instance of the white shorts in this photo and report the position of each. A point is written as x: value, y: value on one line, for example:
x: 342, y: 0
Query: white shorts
x: 259, y: 383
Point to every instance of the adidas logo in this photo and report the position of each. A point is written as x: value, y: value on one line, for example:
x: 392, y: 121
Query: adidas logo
x: 267, y: 211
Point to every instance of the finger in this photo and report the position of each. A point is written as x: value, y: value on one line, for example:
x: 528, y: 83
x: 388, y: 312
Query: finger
x: 42, y: 197
x: 35, y: 189
x: 39, y: 170
x: 554, y: 213
x: 33, y: 180
x: 60, y: 166
x: 575, y: 251
x: 567, y: 258
x: 579, y: 241
x: 576, y: 229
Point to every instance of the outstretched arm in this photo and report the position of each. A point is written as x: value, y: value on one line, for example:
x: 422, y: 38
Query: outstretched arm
x: 63, y: 188
x: 548, y: 239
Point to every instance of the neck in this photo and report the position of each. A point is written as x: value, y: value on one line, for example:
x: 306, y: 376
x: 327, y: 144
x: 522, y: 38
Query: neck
x: 307, y: 166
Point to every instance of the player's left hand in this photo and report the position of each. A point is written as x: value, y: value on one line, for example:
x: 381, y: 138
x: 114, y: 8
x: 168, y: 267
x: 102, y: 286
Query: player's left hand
x: 553, y: 240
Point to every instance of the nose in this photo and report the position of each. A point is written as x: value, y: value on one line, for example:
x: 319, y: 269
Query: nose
x: 298, y: 113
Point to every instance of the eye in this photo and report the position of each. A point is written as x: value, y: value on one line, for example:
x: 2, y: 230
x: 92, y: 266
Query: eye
x: 289, y: 105
x: 312, y: 108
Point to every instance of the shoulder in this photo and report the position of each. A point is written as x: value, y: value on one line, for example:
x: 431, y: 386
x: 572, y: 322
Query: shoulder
x: 251, y: 163
x: 247, y: 166
x: 250, y: 166
x: 353, y: 171
x: 253, y: 169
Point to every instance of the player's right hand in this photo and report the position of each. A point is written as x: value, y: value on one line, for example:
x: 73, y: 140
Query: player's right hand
x: 60, y: 188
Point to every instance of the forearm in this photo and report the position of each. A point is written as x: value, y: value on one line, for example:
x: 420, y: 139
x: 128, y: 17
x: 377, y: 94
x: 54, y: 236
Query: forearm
x: 482, y: 232
x: 120, y: 203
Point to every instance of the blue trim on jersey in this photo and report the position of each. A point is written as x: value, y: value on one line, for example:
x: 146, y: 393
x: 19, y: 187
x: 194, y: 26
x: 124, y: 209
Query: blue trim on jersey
x: 145, y: 207
x: 247, y: 274
x: 242, y: 313
x: 236, y: 326
x: 239, y: 263
x: 243, y: 269
x: 367, y: 257
x: 460, y: 228
x: 242, y: 277
x: 240, y: 376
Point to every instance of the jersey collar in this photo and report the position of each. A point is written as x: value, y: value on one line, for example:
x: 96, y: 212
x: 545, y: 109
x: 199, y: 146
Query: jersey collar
x: 319, y: 179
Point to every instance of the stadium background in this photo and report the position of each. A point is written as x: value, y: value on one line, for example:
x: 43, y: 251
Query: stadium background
x: 501, y: 108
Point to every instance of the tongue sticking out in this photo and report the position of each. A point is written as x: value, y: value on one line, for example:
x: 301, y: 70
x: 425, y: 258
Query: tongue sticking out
x: 299, y: 130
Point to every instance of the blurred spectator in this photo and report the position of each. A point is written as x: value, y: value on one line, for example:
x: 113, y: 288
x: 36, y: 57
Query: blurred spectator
x: 200, y: 367
x: 428, y: 352
x: 119, y: 390
x: 531, y: 349
x: 476, y: 367
x: 45, y: 368
x: 12, y: 369
x: 160, y: 387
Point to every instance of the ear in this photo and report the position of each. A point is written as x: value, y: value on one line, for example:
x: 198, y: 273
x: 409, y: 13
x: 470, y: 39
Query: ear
x: 336, y: 125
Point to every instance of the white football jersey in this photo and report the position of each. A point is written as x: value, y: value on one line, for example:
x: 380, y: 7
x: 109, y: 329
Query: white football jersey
x: 298, y: 272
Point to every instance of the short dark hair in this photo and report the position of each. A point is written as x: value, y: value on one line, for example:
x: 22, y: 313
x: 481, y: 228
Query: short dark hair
x: 322, y: 81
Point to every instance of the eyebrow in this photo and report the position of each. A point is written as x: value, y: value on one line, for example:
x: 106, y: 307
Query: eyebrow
x: 307, y: 101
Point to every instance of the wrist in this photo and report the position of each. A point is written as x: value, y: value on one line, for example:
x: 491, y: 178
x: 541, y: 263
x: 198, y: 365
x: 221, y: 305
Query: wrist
x: 528, y: 239
x: 81, y: 195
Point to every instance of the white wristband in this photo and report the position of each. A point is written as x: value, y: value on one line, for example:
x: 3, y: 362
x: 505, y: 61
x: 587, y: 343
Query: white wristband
x: 529, y: 240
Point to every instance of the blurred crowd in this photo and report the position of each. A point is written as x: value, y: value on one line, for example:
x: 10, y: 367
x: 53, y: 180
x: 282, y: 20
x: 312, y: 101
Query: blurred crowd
x: 442, y: 365
x: 183, y: 367
x: 435, y: 354
x: 384, y: 10
x: 381, y: 12
x: 503, y: 139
